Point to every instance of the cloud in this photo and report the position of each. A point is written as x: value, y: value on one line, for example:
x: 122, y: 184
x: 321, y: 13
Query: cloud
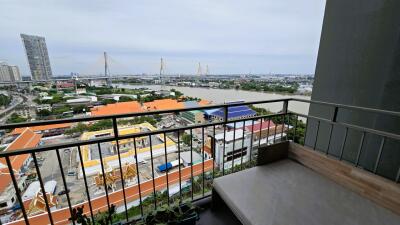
x: 231, y: 36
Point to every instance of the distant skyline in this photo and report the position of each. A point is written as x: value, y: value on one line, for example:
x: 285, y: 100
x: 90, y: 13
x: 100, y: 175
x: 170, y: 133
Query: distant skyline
x: 231, y: 37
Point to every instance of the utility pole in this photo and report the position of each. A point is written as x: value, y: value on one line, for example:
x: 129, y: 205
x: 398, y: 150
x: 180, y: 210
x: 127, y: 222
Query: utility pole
x: 207, y: 71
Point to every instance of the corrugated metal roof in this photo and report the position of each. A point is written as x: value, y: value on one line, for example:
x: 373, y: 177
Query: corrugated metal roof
x: 235, y: 112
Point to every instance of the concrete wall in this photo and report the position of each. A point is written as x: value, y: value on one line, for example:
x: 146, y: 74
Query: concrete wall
x: 359, y: 64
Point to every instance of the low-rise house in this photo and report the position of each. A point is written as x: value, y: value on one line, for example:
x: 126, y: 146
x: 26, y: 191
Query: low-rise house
x: 19, y: 163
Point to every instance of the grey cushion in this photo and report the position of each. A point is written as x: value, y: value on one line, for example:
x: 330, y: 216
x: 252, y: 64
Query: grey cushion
x: 287, y: 193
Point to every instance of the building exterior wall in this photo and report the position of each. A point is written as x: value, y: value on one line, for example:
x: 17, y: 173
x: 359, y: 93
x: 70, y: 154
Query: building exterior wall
x: 359, y: 64
x: 223, y: 156
x: 38, y: 57
x: 4, y: 72
x: 194, y: 116
x: 15, y: 74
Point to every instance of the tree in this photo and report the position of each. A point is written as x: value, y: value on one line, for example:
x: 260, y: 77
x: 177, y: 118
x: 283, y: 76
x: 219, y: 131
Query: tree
x: 125, y: 99
x: 108, y: 101
x: 186, y: 138
x: 43, y: 113
x: 15, y: 118
x: 4, y: 100
x: 80, y: 108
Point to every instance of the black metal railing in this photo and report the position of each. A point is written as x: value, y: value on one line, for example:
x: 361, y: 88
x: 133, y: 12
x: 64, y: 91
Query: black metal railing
x: 147, y: 193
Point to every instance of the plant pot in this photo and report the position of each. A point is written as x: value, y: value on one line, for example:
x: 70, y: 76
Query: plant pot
x: 189, y: 220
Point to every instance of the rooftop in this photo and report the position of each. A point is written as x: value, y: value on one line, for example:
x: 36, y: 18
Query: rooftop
x: 42, y: 128
x: 117, y: 108
x: 163, y: 104
x: 235, y: 112
x: 28, y: 139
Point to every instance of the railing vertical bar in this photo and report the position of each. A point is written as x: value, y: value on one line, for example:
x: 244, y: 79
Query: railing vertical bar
x: 166, y: 161
x: 233, y: 147
x: 288, y: 127
x: 138, y: 177
x: 268, y: 124
x: 343, y: 143
x: 64, y: 183
x: 116, y: 135
x: 379, y: 154
x: 179, y: 168
x: 104, y: 175
x: 276, y: 127
x: 283, y: 127
x: 202, y: 157
x: 223, y: 151
x: 213, y: 152
x: 360, y: 148
x: 329, y: 140
x: 241, y: 151
x: 260, y: 134
x: 86, y: 185
x: 316, y: 135
x: 152, y: 172
x: 224, y: 144
x: 17, y: 190
x: 42, y: 187
x: 305, y: 132
x: 251, y: 142
x: 191, y: 162
x: 295, y: 128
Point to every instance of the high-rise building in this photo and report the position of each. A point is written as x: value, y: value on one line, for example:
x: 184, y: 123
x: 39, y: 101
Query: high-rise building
x: 4, y: 72
x: 9, y: 73
x: 14, y: 73
x: 38, y: 57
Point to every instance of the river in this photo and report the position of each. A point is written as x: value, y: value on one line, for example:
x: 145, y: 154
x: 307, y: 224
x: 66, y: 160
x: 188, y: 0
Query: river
x: 218, y: 96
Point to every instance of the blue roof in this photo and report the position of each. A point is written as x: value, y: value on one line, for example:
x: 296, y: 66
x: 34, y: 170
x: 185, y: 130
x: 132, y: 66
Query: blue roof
x: 235, y: 112
x: 209, y: 112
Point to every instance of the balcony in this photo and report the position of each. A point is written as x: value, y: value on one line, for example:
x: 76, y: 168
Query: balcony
x: 131, y: 165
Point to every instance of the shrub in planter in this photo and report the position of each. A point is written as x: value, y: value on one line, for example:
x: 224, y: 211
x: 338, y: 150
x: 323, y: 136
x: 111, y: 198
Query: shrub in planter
x: 184, y: 214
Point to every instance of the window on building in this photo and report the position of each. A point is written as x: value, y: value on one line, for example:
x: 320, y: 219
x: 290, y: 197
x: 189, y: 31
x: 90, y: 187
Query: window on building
x: 236, y: 154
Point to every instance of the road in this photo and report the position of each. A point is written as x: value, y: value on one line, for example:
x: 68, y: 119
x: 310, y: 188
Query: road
x: 17, y: 100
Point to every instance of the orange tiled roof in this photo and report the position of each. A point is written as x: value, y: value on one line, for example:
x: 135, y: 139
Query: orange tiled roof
x: 27, y: 139
x: 204, y: 102
x: 117, y: 108
x: 42, y: 128
x: 163, y: 104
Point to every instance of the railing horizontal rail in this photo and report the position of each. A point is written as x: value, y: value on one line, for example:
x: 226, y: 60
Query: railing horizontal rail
x: 355, y: 127
x: 351, y: 107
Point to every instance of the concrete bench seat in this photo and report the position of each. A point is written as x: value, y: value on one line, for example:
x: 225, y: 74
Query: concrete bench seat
x: 288, y: 193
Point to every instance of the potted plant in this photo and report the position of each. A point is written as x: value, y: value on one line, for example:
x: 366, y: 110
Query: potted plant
x: 78, y: 217
x: 184, y: 214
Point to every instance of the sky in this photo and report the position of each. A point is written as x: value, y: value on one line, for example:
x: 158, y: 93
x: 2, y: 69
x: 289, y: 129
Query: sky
x: 230, y: 36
